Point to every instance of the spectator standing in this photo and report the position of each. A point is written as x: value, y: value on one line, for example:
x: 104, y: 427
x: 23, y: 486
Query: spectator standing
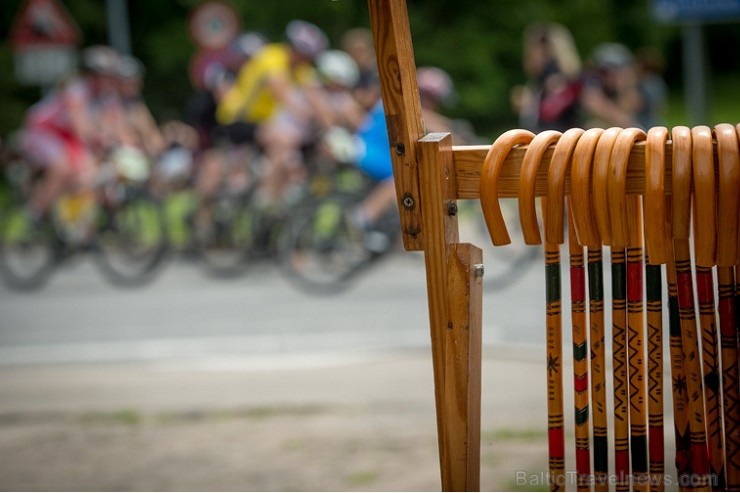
x: 550, y: 98
x: 611, y: 95
x: 652, y: 86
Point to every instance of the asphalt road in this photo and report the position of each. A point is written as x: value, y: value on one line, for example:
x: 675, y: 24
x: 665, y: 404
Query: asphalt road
x: 183, y: 313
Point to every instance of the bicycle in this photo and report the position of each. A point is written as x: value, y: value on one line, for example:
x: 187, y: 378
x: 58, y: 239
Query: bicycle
x: 226, y: 231
x: 230, y: 230
x: 116, y: 220
x: 322, y: 251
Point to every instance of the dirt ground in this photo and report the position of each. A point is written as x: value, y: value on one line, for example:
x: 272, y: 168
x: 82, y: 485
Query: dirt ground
x: 340, y: 448
x: 357, y: 424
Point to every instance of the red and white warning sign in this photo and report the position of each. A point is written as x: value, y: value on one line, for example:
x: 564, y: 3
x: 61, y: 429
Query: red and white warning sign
x: 43, y: 22
x: 44, y: 37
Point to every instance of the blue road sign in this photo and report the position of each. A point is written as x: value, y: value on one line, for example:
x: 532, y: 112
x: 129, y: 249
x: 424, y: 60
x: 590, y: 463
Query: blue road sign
x: 700, y: 11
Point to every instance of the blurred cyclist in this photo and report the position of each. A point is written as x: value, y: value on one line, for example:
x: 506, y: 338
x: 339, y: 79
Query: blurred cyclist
x: 358, y: 43
x: 277, y: 96
x: 142, y: 125
x: 437, y: 91
x: 65, y: 132
x: 372, y: 150
x: 340, y: 74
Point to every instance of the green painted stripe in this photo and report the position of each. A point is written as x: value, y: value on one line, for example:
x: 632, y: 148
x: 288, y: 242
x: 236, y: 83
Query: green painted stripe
x: 580, y: 351
x: 552, y: 278
x: 674, y: 318
x: 619, y: 281
x: 601, y: 454
x: 595, y: 281
x: 653, y: 284
x: 581, y: 416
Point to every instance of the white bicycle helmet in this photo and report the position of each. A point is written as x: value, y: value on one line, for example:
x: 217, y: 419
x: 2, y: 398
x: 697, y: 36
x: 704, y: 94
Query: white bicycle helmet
x: 306, y: 38
x: 100, y: 59
x: 130, y: 67
x: 612, y: 56
x: 248, y: 44
x: 338, y: 67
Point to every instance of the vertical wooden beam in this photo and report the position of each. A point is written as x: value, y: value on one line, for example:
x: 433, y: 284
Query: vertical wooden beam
x: 397, y: 69
x: 463, y: 368
x: 454, y: 303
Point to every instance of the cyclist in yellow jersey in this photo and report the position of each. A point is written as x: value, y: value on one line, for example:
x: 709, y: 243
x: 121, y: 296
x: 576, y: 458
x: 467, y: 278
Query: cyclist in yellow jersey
x: 277, y: 95
x: 254, y: 96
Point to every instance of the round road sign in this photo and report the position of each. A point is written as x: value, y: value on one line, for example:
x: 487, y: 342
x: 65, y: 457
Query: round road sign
x: 213, y: 24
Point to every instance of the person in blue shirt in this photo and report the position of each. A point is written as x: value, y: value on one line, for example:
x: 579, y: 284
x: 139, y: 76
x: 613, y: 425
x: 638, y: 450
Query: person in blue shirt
x: 374, y: 158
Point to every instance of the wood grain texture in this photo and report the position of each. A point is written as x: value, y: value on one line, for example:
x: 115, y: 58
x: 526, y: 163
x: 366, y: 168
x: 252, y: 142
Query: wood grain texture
x: 527, y: 181
x: 488, y: 179
x: 728, y: 200
x: 704, y: 204
x: 469, y: 160
x: 656, y: 244
x: 463, y: 370
x: 560, y: 166
x: 580, y: 177
x: 400, y: 92
x: 436, y: 159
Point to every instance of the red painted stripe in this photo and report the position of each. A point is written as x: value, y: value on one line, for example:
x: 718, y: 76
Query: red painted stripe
x: 622, y: 465
x: 704, y: 287
x: 727, y: 317
x: 657, y: 451
x: 685, y: 290
x: 580, y: 384
x: 577, y: 284
x: 699, y: 458
x: 583, y: 462
x: 683, y: 461
x: 556, y: 442
x: 634, y: 281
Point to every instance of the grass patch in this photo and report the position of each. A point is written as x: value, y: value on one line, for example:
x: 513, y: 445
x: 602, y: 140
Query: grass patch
x: 362, y: 478
x: 253, y: 414
x: 126, y: 417
x: 514, y: 435
x: 294, y: 444
x: 491, y: 459
x: 531, y: 483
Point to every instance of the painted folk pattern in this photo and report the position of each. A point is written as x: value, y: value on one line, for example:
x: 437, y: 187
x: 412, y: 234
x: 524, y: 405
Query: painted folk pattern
x: 580, y: 359
x: 636, y: 358
x: 555, y: 422
x: 678, y: 380
x: 710, y: 361
x: 619, y: 363
x: 730, y: 381
x: 654, y: 305
x: 699, y: 458
x: 598, y: 367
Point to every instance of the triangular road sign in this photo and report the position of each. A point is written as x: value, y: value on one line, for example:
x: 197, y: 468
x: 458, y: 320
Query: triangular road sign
x: 43, y: 22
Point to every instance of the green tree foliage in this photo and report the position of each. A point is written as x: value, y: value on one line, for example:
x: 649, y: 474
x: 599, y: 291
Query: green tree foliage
x: 478, y: 42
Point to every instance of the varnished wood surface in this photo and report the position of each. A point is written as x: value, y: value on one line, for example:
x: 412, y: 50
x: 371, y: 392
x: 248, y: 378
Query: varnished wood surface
x: 469, y: 160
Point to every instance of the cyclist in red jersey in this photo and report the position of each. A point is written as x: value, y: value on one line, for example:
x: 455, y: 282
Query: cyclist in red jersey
x: 63, y: 132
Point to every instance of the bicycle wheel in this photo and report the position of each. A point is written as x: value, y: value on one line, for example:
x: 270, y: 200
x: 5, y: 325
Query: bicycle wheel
x: 28, y: 251
x: 131, y: 239
x: 226, y: 240
x: 322, y: 251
